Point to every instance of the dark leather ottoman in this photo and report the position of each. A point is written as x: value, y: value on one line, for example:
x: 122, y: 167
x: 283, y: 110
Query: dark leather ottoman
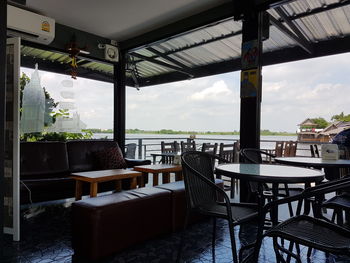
x: 105, y: 225
x: 179, y: 206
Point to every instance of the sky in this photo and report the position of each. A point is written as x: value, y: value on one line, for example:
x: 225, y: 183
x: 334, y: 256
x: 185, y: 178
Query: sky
x: 292, y: 92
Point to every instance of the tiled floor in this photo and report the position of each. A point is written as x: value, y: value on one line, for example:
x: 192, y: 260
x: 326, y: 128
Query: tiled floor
x: 46, y: 238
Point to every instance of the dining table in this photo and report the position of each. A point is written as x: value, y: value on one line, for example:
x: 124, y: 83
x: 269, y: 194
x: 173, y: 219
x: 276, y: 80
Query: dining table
x: 273, y: 174
x: 330, y: 166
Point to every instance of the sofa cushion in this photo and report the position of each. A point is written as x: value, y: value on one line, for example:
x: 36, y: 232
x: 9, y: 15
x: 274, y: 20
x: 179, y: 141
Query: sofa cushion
x: 43, y: 160
x: 81, y: 153
x: 105, y: 225
x: 110, y: 158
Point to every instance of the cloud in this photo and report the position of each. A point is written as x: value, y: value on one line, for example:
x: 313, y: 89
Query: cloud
x: 217, y: 91
x: 292, y: 92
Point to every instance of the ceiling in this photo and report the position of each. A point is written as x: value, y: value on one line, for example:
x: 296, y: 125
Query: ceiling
x: 299, y: 29
x: 119, y: 19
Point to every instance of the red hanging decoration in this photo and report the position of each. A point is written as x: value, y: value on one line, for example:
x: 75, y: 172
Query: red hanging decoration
x: 73, y: 51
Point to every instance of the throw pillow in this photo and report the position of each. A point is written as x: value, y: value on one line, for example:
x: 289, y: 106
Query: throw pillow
x: 111, y: 158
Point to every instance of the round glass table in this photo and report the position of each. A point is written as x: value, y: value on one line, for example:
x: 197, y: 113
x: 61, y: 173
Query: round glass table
x: 274, y: 174
x: 268, y: 173
x: 331, y: 167
x: 313, y: 162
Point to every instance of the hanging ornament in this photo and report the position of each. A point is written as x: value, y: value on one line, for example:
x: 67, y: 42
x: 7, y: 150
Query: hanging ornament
x: 33, y: 105
x: 74, y: 50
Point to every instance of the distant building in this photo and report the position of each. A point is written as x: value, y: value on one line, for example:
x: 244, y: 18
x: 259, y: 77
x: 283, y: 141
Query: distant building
x: 333, y: 129
x: 309, y: 133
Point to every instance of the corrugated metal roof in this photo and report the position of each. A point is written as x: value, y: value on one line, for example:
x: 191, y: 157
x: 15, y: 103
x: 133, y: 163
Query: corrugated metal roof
x: 218, y: 44
x: 325, y: 25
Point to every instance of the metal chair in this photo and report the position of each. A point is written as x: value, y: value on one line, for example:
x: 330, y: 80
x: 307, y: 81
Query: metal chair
x: 314, y: 151
x: 279, y: 149
x: 168, y: 147
x: 313, y: 232
x: 204, y: 197
x: 188, y: 146
x: 210, y: 148
x: 251, y: 155
x: 130, y: 150
x: 229, y: 153
x: 339, y: 203
x: 290, y: 149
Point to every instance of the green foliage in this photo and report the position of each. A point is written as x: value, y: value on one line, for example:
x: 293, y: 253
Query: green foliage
x: 321, y: 122
x: 55, y: 136
x: 23, y: 81
x: 95, y: 130
x: 50, y: 106
x: 341, y: 117
x: 168, y: 131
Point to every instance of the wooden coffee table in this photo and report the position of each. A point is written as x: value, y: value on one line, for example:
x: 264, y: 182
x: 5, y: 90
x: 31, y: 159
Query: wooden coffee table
x: 95, y: 177
x: 156, y: 169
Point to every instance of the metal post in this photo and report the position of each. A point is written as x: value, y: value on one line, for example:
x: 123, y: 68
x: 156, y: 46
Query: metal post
x: 140, y: 148
x: 251, y: 83
x: 119, y: 101
x: 3, y: 21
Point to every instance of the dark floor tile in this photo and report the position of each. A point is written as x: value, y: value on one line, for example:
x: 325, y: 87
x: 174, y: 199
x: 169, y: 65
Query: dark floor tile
x: 46, y: 238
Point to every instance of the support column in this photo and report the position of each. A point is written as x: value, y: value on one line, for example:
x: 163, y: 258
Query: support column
x: 120, y: 101
x: 251, y: 80
x: 3, y: 22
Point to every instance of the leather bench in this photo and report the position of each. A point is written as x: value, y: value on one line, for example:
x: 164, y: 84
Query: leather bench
x: 105, y: 225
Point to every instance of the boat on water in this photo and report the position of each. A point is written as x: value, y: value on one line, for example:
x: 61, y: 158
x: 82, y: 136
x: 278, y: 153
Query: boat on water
x: 308, y: 131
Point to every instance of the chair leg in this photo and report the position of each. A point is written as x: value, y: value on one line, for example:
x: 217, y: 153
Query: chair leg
x: 258, y: 242
x: 232, y: 194
x: 339, y: 214
x: 289, y: 253
x: 333, y: 217
x: 309, y: 251
x: 179, y: 252
x: 233, y: 242
x: 214, y: 237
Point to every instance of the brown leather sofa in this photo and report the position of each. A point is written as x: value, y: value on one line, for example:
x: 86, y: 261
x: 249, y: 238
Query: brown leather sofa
x: 45, y: 168
x: 108, y: 224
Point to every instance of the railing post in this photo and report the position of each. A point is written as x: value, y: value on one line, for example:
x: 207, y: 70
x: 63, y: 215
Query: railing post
x: 140, y: 148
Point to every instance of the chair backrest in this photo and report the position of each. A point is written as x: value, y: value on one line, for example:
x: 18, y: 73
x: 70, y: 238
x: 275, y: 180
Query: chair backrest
x: 169, y: 147
x: 290, y: 149
x: 286, y: 149
x: 210, y: 148
x: 227, y: 152
x: 251, y: 155
x: 314, y: 151
x: 197, y: 167
x: 279, y: 149
x: 293, y: 149
x: 130, y: 150
x: 188, y: 146
x: 317, y: 153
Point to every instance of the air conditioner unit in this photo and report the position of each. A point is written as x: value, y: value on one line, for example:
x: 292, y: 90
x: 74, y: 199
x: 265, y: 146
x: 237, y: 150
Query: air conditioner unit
x: 30, y: 26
